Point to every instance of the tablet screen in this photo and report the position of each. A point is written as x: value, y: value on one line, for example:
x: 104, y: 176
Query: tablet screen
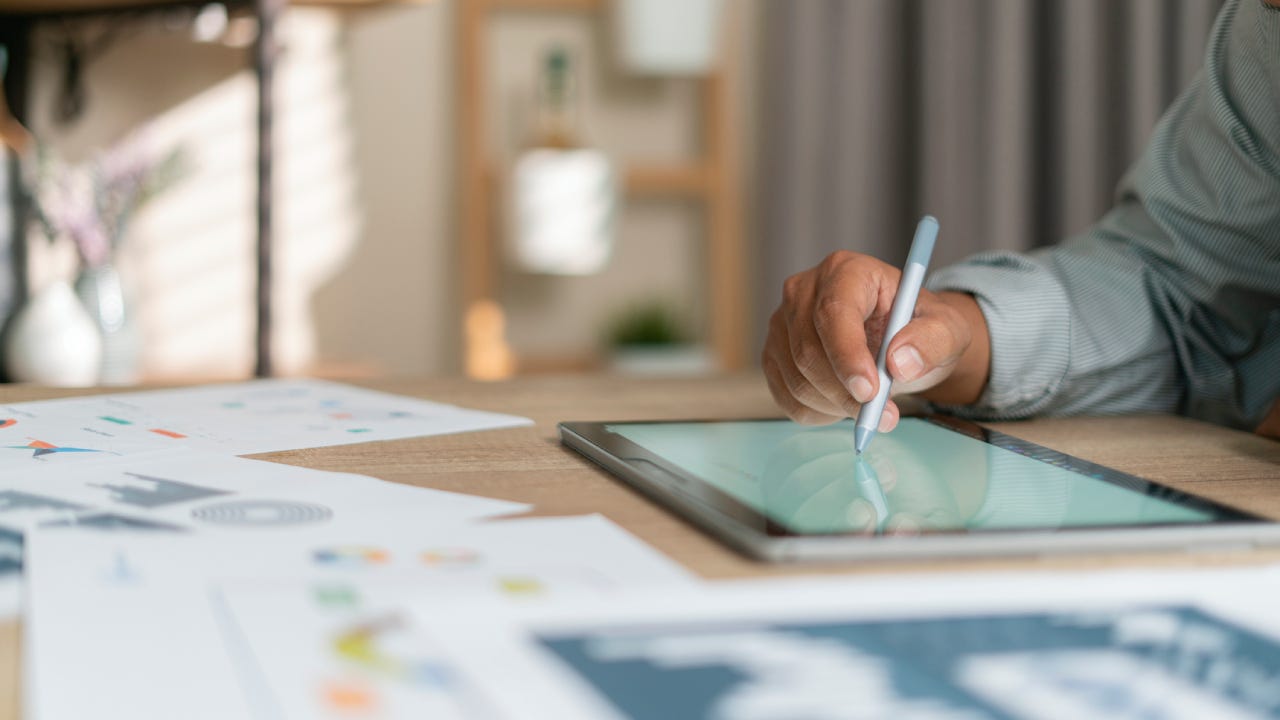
x: 922, y: 477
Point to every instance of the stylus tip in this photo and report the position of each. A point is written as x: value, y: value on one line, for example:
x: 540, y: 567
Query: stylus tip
x: 861, y: 438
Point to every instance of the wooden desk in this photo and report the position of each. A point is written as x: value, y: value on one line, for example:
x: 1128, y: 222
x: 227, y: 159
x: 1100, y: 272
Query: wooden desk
x: 529, y: 465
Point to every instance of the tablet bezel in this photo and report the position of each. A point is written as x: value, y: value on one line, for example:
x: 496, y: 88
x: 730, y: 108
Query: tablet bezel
x: 758, y: 535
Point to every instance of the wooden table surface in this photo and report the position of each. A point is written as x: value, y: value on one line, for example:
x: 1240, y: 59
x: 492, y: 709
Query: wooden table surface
x: 529, y: 465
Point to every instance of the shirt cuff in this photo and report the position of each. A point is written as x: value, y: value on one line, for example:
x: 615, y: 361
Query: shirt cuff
x: 1029, y: 323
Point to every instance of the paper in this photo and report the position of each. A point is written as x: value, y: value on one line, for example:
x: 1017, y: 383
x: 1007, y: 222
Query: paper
x: 186, y: 491
x: 137, y: 623
x: 142, y: 460
x: 236, y: 419
x: 1126, y: 644
x: 181, y: 492
x: 10, y: 573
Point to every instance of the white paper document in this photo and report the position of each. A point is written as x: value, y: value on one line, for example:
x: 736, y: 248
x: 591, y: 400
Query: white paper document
x: 236, y: 419
x: 10, y: 573
x: 1125, y: 644
x: 188, y: 491
x: 240, y: 625
x: 175, y: 493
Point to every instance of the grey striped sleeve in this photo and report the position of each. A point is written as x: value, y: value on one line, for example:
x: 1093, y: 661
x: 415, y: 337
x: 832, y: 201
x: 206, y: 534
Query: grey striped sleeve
x: 1171, y: 302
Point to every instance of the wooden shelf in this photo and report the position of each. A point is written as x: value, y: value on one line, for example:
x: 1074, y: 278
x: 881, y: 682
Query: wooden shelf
x: 653, y: 180
x: 671, y: 180
x: 75, y: 7
x: 546, y: 5
x: 44, y: 8
x: 713, y: 179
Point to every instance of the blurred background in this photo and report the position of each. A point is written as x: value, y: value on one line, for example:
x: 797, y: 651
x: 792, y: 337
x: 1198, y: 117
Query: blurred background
x: 504, y: 187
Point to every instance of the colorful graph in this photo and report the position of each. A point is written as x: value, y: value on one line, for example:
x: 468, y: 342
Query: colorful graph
x: 450, y: 557
x: 351, y: 556
x: 333, y: 597
x: 359, y: 646
x: 168, y: 433
x: 43, y: 448
x: 9, y: 422
x: 350, y: 697
x: 520, y: 586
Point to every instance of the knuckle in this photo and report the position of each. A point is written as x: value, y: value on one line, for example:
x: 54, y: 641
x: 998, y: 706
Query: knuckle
x: 828, y: 312
x: 837, y: 259
x: 792, y: 288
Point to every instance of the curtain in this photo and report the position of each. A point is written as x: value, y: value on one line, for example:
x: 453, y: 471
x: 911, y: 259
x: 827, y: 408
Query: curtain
x: 1009, y: 120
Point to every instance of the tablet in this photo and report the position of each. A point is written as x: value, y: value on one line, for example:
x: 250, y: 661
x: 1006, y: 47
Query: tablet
x: 935, y: 486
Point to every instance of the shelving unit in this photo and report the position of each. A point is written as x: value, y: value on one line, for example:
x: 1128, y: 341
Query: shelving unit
x: 713, y: 178
x: 19, y: 17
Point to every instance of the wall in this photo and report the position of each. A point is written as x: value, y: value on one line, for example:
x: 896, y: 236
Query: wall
x: 366, y: 238
x: 189, y: 256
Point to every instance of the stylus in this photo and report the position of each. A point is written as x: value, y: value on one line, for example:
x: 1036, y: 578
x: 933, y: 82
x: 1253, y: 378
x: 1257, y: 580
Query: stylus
x: 904, y: 306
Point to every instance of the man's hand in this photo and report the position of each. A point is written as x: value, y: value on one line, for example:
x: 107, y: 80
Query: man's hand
x: 820, y: 357
x: 1270, y: 426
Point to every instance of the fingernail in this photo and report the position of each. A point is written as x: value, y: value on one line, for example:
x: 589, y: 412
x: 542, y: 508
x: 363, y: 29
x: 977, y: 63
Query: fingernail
x: 861, y: 390
x: 909, y: 363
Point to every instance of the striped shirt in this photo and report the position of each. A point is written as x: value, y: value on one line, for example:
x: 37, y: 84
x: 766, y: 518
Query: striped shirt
x: 1171, y: 302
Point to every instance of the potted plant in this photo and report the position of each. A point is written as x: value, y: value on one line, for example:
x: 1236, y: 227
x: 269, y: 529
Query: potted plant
x: 649, y: 338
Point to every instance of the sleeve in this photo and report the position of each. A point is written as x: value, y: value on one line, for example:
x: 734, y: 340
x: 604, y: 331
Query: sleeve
x: 1171, y: 302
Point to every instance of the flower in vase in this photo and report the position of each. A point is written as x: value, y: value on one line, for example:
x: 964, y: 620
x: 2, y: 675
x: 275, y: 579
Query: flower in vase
x: 91, y: 203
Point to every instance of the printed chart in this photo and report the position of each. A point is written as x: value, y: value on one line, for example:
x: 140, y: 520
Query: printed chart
x: 1006, y: 646
x: 317, y: 620
x: 1167, y: 662
x: 237, y: 419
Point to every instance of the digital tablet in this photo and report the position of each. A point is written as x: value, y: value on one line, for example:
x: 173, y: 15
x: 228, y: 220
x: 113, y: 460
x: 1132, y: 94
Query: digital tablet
x: 935, y: 486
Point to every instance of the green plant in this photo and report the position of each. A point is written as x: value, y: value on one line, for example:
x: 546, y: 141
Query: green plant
x: 647, y: 323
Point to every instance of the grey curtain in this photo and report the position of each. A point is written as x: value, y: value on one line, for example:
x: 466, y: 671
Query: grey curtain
x: 1010, y: 120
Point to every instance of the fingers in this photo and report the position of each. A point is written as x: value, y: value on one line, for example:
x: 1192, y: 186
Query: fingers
x: 889, y: 418
x: 800, y: 312
x: 818, y: 357
x: 847, y: 296
x: 795, y: 396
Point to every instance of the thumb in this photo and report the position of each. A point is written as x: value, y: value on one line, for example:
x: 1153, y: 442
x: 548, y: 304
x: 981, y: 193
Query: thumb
x: 926, y: 350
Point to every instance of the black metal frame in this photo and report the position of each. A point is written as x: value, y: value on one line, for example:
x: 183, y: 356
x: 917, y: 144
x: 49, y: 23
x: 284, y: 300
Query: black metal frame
x: 15, y: 34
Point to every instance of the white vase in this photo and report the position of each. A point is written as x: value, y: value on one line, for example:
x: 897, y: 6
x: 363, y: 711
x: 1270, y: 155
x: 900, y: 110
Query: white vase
x: 53, y: 341
x: 104, y: 298
x: 562, y: 214
x: 668, y: 37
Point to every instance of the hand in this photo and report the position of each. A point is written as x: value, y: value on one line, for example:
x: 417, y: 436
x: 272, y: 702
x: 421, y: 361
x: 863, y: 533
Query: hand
x: 1270, y: 426
x: 820, y: 355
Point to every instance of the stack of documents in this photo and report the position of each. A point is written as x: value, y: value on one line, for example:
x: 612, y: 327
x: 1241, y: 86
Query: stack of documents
x: 165, y: 460
x: 141, y: 523
x: 168, y: 578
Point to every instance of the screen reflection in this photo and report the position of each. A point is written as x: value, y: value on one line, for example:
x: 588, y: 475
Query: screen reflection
x: 920, y: 478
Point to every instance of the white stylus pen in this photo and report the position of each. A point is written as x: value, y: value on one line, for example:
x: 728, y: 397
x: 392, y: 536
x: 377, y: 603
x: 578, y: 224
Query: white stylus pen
x: 904, y: 306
